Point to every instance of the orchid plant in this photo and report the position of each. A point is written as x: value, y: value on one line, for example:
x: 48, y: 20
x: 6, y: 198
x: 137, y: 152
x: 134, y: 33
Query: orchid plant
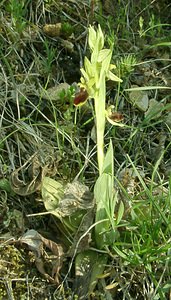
x: 93, y: 82
x: 93, y: 85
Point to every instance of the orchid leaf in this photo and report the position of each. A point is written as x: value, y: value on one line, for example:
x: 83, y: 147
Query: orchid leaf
x: 98, y: 44
x: 100, y: 37
x: 104, y: 196
x: 108, y: 162
x: 68, y: 203
x: 52, y: 193
x: 103, y: 54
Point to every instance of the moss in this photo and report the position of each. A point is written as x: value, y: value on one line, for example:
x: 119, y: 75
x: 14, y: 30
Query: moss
x: 19, y: 276
x: 66, y: 29
x: 12, y: 272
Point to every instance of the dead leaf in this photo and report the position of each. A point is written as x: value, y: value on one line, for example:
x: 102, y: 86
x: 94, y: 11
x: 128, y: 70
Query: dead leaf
x: 155, y: 109
x: 36, y: 243
x: 57, y: 260
x: 40, y: 267
x: 21, y: 187
x: 168, y: 119
x: 139, y: 99
x: 32, y: 173
x: 76, y: 197
x: 53, y: 93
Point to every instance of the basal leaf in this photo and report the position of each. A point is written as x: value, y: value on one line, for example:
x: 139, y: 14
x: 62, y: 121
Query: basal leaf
x: 108, y: 161
x: 52, y: 193
x: 104, y: 194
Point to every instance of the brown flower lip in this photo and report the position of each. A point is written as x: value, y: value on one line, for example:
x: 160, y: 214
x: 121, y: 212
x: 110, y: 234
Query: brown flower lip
x: 81, y: 97
x: 116, y: 117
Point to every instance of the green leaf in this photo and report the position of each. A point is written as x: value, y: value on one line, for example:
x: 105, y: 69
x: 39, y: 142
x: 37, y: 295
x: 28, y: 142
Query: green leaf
x: 103, y: 54
x: 101, y: 193
x: 120, y: 253
x: 96, y: 44
x: 120, y: 212
x: 5, y: 185
x: 104, y: 68
x: 108, y: 161
x: 52, y: 193
x: 104, y: 196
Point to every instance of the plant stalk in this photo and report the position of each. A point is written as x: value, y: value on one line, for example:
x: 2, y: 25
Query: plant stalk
x: 100, y: 122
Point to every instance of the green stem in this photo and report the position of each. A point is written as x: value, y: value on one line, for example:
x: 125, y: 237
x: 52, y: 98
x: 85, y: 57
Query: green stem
x: 100, y: 122
x: 100, y: 151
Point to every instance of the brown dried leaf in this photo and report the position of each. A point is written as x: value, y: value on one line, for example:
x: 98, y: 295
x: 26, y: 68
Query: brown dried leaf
x: 139, y: 98
x: 76, y: 197
x: 35, y: 243
x: 53, y: 93
x: 155, y: 109
x: 40, y: 267
x: 55, y: 248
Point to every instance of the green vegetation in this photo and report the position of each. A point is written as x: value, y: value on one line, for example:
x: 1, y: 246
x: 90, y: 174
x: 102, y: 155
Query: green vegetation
x: 85, y: 206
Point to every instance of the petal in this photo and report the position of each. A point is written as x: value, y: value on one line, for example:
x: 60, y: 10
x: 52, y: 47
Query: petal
x: 111, y: 67
x: 89, y: 67
x: 92, y: 38
x: 85, y: 75
x: 81, y: 97
x: 113, y: 77
x: 114, y: 122
x: 114, y: 117
x: 100, y: 38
